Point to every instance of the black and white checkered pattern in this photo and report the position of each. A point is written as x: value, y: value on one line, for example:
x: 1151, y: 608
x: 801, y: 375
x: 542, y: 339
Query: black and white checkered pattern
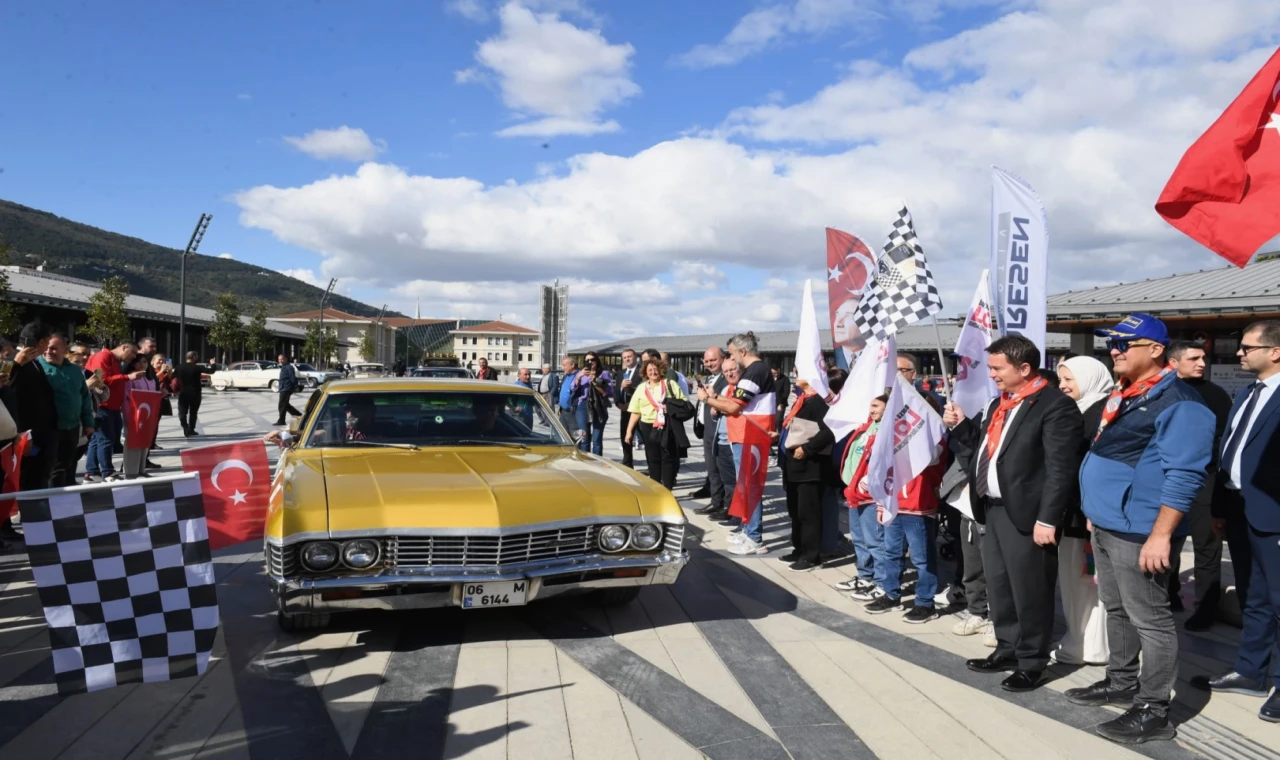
x: 126, y: 580
x: 894, y: 300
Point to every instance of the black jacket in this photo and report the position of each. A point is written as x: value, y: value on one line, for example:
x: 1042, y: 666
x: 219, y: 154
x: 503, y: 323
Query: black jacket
x: 1076, y: 524
x: 1039, y: 463
x: 814, y: 467
x: 621, y: 395
x: 1219, y: 402
x: 36, y: 410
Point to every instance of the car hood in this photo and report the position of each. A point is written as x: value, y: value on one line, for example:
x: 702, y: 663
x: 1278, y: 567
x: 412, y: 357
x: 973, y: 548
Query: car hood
x: 470, y: 488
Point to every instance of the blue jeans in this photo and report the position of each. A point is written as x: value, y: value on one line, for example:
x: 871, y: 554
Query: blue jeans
x: 754, y: 528
x: 107, y: 426
x: 920, y: 534
x: 595, y: 430
x: 867, y: 535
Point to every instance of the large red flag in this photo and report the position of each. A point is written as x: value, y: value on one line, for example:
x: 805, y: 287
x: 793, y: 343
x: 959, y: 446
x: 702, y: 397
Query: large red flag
x: 1225, y: 192
x: 141, y: 417
x: 753, y: 471
x: 849, y: 267
x: 235, y: 479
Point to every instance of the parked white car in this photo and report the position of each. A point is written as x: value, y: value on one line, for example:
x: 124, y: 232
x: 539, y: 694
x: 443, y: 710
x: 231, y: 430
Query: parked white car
x: 246, y: 375
x: 368, y: 369
x: 310, y: 377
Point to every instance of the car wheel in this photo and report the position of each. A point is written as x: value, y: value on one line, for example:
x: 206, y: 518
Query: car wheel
x: 303, y: 621
x: 221, y: 385
x: 616, y: 597
x: 271, y: 386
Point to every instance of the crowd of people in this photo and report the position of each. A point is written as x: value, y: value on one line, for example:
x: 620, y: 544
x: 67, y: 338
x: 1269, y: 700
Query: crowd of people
x: 67, y: 400
x: 1081, y: 483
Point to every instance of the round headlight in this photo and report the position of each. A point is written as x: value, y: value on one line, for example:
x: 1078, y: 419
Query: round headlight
x: 360, y: 554
x: 613, y: 538
x: 321, y: 555
x: 645, y: 536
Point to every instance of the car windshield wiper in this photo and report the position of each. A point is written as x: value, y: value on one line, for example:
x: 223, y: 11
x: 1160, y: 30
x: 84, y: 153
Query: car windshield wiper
x: 489, y: 442
x: 381, y: 444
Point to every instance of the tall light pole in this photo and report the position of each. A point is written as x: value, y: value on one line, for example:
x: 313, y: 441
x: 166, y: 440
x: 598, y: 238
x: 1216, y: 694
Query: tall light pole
x: 196, y: 236
x: 324, y: 300
x: 377, y: 336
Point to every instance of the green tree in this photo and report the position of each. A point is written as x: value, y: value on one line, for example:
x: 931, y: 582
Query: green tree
x: 106, y: 320
x: 9, y: 317
x: 369, y: 346
x: 258, y: 339
x: 311, y: 347
x: 227, y: 330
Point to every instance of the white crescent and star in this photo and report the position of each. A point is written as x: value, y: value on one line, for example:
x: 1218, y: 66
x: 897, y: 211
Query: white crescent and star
x: 1275, y: 116
x: 238, y: 464
x: 140, y: 417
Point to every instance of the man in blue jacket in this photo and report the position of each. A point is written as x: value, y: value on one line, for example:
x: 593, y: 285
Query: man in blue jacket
x: 1249, y: 485
x: 564, y: 402
x: 1149, y: 458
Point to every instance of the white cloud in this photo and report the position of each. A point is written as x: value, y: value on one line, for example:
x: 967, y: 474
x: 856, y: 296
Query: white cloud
x: 557, y: 76
x: 474, y: 10
x: 244, y: 96
x: 225, y: 256
x: 1097, y: 137
x: 306, y: 275
x: 771, y: 24
x: 481, y: 10
x: 697, y: 275
x: 343, y: 142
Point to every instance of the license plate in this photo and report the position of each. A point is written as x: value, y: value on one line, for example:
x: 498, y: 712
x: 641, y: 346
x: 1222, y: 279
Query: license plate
x: 494, y: 594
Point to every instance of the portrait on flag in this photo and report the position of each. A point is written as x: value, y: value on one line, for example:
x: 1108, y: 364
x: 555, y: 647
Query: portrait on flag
x: 236, y: 478
x: 850, y: 265
x: 125, y: 576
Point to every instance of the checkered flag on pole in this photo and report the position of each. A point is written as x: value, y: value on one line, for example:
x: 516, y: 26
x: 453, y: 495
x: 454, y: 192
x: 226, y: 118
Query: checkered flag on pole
x: 903, y: 292
x: 125, y: 577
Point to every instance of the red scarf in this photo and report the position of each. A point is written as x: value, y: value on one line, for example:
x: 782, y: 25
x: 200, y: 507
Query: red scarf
x: 795, y: 409
x: 661, y: 420
x: 1122, y: 392
x: 996, y: 426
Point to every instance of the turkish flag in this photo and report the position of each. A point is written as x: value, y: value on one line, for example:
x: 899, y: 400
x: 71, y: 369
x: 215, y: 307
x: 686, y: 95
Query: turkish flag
x: 141, y: 418
x: 1225, y: 192
x: 235, y: 479
x: 11, y: 457
x: 849, y: 267
x: 753, y: 471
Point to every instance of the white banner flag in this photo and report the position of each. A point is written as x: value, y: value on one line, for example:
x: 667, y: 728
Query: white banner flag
x: 974, y: 386
x: 917, y: 431
x: 1019, y: 258
x: 872, y: 373
x: 810, y: 366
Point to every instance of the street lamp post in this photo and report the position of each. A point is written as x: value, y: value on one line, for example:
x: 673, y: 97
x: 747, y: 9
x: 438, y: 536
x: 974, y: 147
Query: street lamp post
x: 324, y: 300
x: 196, y: 236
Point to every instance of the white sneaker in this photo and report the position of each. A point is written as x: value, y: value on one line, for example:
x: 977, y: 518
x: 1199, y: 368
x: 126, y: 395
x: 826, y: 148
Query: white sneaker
x: 989, y: 640
x: 736, y: 538
x: 747, y: 547
x: 850, y: 585
x: 867, y: 594
x: 969, y: 626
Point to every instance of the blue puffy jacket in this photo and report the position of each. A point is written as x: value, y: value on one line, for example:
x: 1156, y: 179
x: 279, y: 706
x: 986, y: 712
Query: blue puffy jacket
x: 1155, y: 453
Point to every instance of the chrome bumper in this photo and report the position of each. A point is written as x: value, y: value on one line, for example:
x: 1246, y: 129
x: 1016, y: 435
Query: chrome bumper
x: 407, y: 589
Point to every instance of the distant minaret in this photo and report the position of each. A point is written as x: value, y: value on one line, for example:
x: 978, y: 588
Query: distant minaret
x: 418, y: 312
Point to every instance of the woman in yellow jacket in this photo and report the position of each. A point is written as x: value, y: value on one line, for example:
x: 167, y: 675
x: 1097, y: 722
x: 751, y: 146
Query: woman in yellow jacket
x: 662, y: 435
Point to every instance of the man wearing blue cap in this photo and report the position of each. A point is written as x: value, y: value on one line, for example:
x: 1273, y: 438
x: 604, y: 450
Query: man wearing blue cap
x: 1148, y: 460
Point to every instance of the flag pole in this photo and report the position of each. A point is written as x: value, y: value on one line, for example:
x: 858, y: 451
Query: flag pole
x: 942, y: 358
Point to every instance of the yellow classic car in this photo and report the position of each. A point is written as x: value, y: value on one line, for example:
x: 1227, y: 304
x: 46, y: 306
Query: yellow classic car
x: 406, y: 493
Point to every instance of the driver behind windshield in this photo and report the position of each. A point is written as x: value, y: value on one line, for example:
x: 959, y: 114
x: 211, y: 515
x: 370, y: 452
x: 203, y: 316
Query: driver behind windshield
x: 487, y: 408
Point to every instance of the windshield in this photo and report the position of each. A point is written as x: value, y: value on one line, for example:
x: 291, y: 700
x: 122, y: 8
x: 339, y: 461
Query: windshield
x: 434, y: 418
x: 304, y: 367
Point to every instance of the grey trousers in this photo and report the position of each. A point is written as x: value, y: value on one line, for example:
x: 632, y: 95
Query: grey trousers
x: 135, y: 462
x: 1139, y: 621
x: 974, y: 579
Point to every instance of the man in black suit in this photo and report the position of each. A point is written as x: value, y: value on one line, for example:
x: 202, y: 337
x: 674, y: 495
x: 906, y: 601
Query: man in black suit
x: 1022, y: 456
x: 623, y: 390
x: 1249, y: 488
x: 711, y: 359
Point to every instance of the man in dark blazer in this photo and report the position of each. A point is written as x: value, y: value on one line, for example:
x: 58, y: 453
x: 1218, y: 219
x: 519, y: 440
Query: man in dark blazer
x: 623, y: 390
x: 711, y: 359
x: 1250, y: 482
x: 1022, y: 455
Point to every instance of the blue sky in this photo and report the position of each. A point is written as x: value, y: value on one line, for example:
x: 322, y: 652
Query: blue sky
x: 678, y: 134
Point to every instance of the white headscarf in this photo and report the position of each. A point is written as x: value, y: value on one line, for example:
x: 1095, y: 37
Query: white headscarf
x: 1092, y: 378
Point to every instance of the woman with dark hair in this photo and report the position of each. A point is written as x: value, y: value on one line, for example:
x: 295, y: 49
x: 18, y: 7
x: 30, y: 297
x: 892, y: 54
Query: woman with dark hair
x: 663, y: 437
x: 831, y: 491
x: 589, y: 399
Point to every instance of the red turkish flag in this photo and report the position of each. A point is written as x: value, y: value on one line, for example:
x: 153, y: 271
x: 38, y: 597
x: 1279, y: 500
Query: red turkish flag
x: 11, y: 457
x: 235, y: 479
x: 753, y: 471
x: 141, y: 418
x: 849, y: 267
x: 1225, y: 192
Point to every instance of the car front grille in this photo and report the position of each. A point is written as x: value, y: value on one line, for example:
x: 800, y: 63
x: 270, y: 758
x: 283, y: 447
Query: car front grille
x: 492, y: 551
x: 282, y: 561
x: 673, y: 541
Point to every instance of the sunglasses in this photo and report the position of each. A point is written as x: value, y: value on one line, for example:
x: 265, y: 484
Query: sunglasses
x: 1123, y: 346
x: 1246, y: 348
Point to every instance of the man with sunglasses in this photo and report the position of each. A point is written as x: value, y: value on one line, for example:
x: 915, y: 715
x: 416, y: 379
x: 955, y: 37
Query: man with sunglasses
x: 1148, y: 460
x: 1249, y: 497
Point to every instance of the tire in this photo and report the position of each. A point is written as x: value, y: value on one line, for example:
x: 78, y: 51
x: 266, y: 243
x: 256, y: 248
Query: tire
x: 271, y: 386
x: 617, y: 597
x: 303, y: 621
x: 219, y: 386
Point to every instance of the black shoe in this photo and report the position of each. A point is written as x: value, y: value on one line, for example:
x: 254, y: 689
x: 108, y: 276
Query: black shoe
x: 193, y: 432
x: 278, y: 424
x: 1231, y: 683
x: 917, y: 615
x: 730, y: 521
x: 992, y: 663
x: 718, y: 515
x: 706, y: 510
x: 881, y: 605
x: 1102, y: 693
x: 1023, y: 680
x: 9, y: 533
x: 157, y: 447
x: 1270, y: 711
x: 152, y: 465
x: 1139, y: 725
x: 1200, y: 620
x: 790, y: 557
x: 701, y: 493
x: 801, y: 566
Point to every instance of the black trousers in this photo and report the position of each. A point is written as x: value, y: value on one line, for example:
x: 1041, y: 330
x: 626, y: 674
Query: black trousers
x: 65, y: 454
x: 188, y: 410
x: 726, y: 473
x: 1232, y: 508
x: 285, y: 406
x: 1208, y: 552
x: 628, y: 450
x: 37, y: 468
x: 661, y: 455
x: 1021, y: 580
x: 804, y: 505
x: 713, y: 483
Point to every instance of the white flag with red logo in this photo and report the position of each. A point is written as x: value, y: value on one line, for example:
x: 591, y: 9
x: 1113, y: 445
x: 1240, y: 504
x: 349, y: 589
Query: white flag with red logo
x: 917, y: 430
x: 974, y: 386
x: 872, y: 373
x: 141, y: 418
x: 235, y: 479
x: 810, y: 366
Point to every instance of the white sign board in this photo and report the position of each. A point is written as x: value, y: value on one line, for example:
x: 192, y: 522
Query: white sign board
x: 1231, y: 377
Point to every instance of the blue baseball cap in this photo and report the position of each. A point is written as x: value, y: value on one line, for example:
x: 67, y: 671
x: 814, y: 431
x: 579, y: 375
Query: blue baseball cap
x: 1137, y: 327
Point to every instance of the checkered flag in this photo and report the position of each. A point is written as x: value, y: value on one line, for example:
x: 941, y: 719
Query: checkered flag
x: 126, y: 580
x: 902, y: 292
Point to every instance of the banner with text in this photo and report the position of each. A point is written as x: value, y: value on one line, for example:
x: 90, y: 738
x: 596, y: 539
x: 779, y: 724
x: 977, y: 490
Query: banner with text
x: 1019, y: 258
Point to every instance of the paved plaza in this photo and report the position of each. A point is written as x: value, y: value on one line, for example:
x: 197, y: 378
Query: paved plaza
x: 740, y: 659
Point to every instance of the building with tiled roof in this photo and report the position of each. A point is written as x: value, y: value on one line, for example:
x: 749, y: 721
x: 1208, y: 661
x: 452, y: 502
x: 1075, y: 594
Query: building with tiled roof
x: 505, y: 346
x: 351, y: 329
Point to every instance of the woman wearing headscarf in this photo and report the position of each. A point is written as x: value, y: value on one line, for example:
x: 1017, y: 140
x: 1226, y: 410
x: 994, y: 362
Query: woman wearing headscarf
x: 1089, y: 382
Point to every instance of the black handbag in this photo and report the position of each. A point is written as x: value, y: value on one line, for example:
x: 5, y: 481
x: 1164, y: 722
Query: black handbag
x: 679, y: 409
x: 698, y: 428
